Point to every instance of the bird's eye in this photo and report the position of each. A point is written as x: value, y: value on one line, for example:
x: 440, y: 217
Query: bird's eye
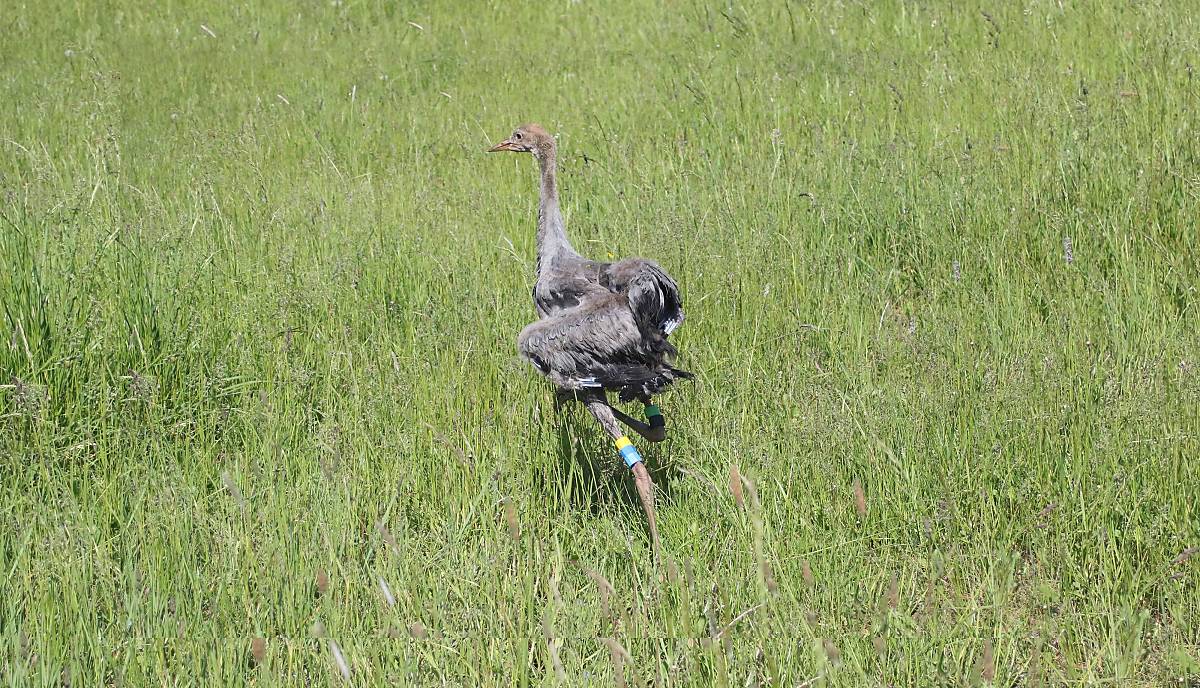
x: 517, y: 136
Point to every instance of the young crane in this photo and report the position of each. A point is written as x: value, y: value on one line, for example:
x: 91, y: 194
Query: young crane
x: 602, y: 326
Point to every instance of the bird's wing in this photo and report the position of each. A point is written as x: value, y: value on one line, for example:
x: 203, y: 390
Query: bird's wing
x: 653, y: 295
x: 564, y: 283
x: 596, y: 344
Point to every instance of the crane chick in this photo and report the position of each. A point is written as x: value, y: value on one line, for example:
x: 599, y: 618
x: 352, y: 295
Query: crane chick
x: 602, y: 327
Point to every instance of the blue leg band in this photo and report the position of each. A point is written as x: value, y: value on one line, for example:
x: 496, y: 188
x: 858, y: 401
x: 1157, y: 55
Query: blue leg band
x: 628, y: 452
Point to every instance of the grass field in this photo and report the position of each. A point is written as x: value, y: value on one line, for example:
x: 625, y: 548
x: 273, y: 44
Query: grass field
x: 261, y: 289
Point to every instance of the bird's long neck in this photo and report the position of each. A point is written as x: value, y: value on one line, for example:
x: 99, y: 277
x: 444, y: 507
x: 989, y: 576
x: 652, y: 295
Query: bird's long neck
x: 552, y: 239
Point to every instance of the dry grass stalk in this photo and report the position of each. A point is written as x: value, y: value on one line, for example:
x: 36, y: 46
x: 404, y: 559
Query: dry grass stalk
x: 322, y: 582
x: 806, y: 573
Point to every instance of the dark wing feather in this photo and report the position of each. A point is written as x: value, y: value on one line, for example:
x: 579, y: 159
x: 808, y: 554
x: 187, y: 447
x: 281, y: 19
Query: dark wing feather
x: 653, y: 295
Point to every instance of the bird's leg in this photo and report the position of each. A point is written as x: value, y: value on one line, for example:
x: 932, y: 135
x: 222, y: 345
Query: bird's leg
x: 654, y: 417
x: 651, y: 433
x: 599, y: 407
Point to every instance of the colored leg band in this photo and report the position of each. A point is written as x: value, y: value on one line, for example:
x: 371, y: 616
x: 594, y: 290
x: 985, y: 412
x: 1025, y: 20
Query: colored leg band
x: 628, y: 452
x: 655, y: 416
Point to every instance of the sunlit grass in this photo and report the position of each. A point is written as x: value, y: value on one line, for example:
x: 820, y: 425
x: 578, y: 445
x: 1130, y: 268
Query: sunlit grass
x: 261, y: 414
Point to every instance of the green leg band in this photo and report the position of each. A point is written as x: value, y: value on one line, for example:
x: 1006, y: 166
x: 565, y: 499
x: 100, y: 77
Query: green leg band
x: 654, y: 416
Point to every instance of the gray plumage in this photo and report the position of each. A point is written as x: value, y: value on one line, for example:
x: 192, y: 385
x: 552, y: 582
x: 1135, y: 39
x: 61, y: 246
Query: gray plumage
x: 602, y: 325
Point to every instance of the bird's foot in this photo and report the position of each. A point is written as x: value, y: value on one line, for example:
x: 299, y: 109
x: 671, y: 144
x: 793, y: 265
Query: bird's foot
x: 645, y: 488
x: 644, y: 485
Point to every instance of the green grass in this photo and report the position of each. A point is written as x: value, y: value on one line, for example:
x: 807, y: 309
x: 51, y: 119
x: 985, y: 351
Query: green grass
x: 261, y: 290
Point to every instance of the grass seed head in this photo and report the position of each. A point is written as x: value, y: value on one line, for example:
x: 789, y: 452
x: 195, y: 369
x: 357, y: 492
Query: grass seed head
x: 387, y: 592
x: 860, y: 499
x: 232, y: 487
x: 832, y: 653
x: 806, y: 572
x: 769, y: 577
x: 339, y: 659
x: 28, y: 398
x: 142, y: 387
x: 258, y: 650
x: 893, y: 594
x: 510, y: 517
x: 387, y: 536
x: 322, y: 581
x: 735, y: 486
x: 1185, y: 555
x: 752, y: 493
x: 617, y: 654
x: 985, y: 667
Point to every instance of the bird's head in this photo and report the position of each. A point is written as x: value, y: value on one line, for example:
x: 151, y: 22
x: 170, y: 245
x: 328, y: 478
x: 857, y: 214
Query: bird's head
x: 528, y: 138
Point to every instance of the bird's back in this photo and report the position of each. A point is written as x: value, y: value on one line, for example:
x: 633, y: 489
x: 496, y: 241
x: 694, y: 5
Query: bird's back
x: 563, y: 283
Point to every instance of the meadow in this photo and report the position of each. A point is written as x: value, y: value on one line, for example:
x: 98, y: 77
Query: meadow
x: 262, y: 421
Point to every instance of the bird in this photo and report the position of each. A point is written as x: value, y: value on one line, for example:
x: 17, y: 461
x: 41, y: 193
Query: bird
x: 601, y: 327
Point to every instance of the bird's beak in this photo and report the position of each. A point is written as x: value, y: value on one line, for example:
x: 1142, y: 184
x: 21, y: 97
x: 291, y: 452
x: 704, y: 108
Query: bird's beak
x: 505, y: 145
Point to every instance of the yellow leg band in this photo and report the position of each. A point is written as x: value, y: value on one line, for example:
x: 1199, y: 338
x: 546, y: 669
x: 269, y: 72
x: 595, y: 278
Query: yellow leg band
x: 628, y: 452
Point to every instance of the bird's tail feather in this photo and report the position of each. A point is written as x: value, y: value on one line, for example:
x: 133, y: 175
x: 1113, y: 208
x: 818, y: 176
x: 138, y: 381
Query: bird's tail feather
x: 635, y: 381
